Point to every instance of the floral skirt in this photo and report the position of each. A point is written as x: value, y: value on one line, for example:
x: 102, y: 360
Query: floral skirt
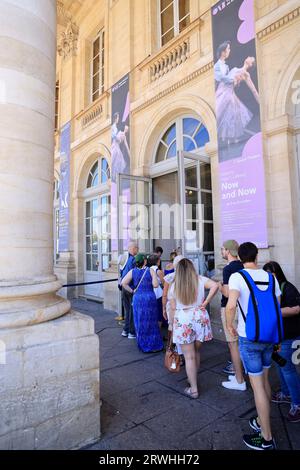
x: 191, y: 325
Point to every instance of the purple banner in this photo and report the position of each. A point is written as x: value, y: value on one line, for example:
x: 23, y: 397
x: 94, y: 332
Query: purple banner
x: 64, y: 188
x: 120, y: 147
x: 242, y: 176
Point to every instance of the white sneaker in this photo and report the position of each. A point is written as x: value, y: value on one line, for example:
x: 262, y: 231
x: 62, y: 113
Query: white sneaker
x: 234, y: 385
x: 231, y: 377
x: 130, y: 336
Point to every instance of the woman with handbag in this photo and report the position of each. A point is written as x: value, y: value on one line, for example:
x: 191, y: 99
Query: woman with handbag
x: 144, y: 305
x: 191, y: 323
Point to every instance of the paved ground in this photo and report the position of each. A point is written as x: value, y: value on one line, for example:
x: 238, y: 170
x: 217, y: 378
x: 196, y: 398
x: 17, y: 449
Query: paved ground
x: 143, y: 406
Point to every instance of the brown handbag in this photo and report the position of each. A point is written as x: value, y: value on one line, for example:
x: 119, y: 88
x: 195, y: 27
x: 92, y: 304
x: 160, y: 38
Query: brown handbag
x: 172, y: 358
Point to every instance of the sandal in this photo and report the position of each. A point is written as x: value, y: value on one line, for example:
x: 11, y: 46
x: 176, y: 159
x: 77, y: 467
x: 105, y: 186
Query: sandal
x: 188, y: 392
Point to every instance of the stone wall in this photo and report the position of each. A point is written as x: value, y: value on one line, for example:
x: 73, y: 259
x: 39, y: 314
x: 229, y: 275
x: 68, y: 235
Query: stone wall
x: 132, y: 46
x: 49, y: 385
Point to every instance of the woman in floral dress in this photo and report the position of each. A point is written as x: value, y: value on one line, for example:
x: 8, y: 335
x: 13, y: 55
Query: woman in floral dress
x: 191, y: 323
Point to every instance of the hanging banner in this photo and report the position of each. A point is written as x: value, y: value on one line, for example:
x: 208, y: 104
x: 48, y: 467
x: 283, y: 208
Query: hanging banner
x: 242, y: 177
x: 64, y: 188
x: 120, y: 147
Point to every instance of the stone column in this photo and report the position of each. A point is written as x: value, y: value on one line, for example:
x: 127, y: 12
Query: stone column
x: 27, y: 77
x: 45, y: 402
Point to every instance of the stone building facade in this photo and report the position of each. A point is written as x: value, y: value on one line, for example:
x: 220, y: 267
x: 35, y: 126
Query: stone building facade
x: 169, y: 59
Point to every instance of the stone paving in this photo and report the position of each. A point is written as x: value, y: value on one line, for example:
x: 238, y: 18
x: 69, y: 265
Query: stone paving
x: 143, y: 406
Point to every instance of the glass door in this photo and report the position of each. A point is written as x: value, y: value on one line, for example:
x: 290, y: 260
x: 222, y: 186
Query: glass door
x: 134, y: 212
x: 134, y: 215
x: 97, y: 243
x: 196, y: 222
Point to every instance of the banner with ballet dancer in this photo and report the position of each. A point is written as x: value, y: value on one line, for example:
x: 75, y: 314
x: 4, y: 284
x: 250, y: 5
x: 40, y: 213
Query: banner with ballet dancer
x: 64, y: 188
x: 120, y: 147
x: 242, y: 176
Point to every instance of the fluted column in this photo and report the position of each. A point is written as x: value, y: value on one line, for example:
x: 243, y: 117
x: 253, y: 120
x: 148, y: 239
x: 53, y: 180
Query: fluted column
x: 27, y: 85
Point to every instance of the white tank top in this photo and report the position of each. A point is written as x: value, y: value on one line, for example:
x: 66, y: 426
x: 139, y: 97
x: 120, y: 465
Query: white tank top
x: 200, y: 297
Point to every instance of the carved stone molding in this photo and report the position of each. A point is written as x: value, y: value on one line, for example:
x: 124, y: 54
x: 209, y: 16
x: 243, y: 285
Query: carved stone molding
x: 279, y: 24
x: 63, y: 16
x: 67, y: 45
x: 197, y: 73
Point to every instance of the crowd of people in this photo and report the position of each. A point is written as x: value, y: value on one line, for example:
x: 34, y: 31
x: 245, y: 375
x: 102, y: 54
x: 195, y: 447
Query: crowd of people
x: 260, y: 312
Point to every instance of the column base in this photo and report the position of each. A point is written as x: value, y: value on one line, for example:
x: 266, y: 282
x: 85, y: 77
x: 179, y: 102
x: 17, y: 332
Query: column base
x: 65, y: 270
x: 23, y: 304
x: 49, y: 385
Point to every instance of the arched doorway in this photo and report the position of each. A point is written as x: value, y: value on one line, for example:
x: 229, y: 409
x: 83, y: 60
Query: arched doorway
x: 96, y: 240
x: 181, y: 180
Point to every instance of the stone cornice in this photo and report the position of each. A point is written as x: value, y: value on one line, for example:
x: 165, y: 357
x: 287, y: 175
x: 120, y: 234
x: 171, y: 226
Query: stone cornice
x: 63, y: 16
x: 205, y: 68
x: 276, y: 25
x: 83, y: 140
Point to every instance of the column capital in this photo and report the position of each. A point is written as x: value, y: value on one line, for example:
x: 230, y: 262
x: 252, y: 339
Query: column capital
x: 67, y: 45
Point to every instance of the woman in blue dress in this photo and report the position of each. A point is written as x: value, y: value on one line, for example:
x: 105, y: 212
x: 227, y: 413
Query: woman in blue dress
x: 144, y: 305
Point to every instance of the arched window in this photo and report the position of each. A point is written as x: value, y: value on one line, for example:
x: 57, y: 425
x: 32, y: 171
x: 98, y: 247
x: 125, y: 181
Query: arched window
x: 186, y: 134
x: 97, y: 240
x: 93, y: 178
x: 105, y: 173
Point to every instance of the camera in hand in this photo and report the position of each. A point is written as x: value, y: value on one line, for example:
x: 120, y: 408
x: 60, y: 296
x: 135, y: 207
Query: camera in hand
x: 278, y: 359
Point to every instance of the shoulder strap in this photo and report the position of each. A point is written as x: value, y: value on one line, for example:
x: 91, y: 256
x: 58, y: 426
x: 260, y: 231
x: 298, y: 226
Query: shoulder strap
x: 245, y: 277
x: 135, y: 290
x: 123, y: 260
x: 278, y: 312
x: 242, y: 311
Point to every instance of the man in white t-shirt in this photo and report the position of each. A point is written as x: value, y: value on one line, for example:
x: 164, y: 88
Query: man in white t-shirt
x: 256, y: 357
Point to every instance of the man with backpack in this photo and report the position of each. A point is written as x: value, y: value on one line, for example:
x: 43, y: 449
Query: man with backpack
x: 257, y: 295
x: 229, y: 252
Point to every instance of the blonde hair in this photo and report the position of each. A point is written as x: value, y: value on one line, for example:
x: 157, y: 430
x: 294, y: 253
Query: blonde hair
x: 186, y: 282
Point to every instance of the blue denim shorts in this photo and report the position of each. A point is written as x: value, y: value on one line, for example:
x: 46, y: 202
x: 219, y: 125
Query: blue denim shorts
x: 255, y: 356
